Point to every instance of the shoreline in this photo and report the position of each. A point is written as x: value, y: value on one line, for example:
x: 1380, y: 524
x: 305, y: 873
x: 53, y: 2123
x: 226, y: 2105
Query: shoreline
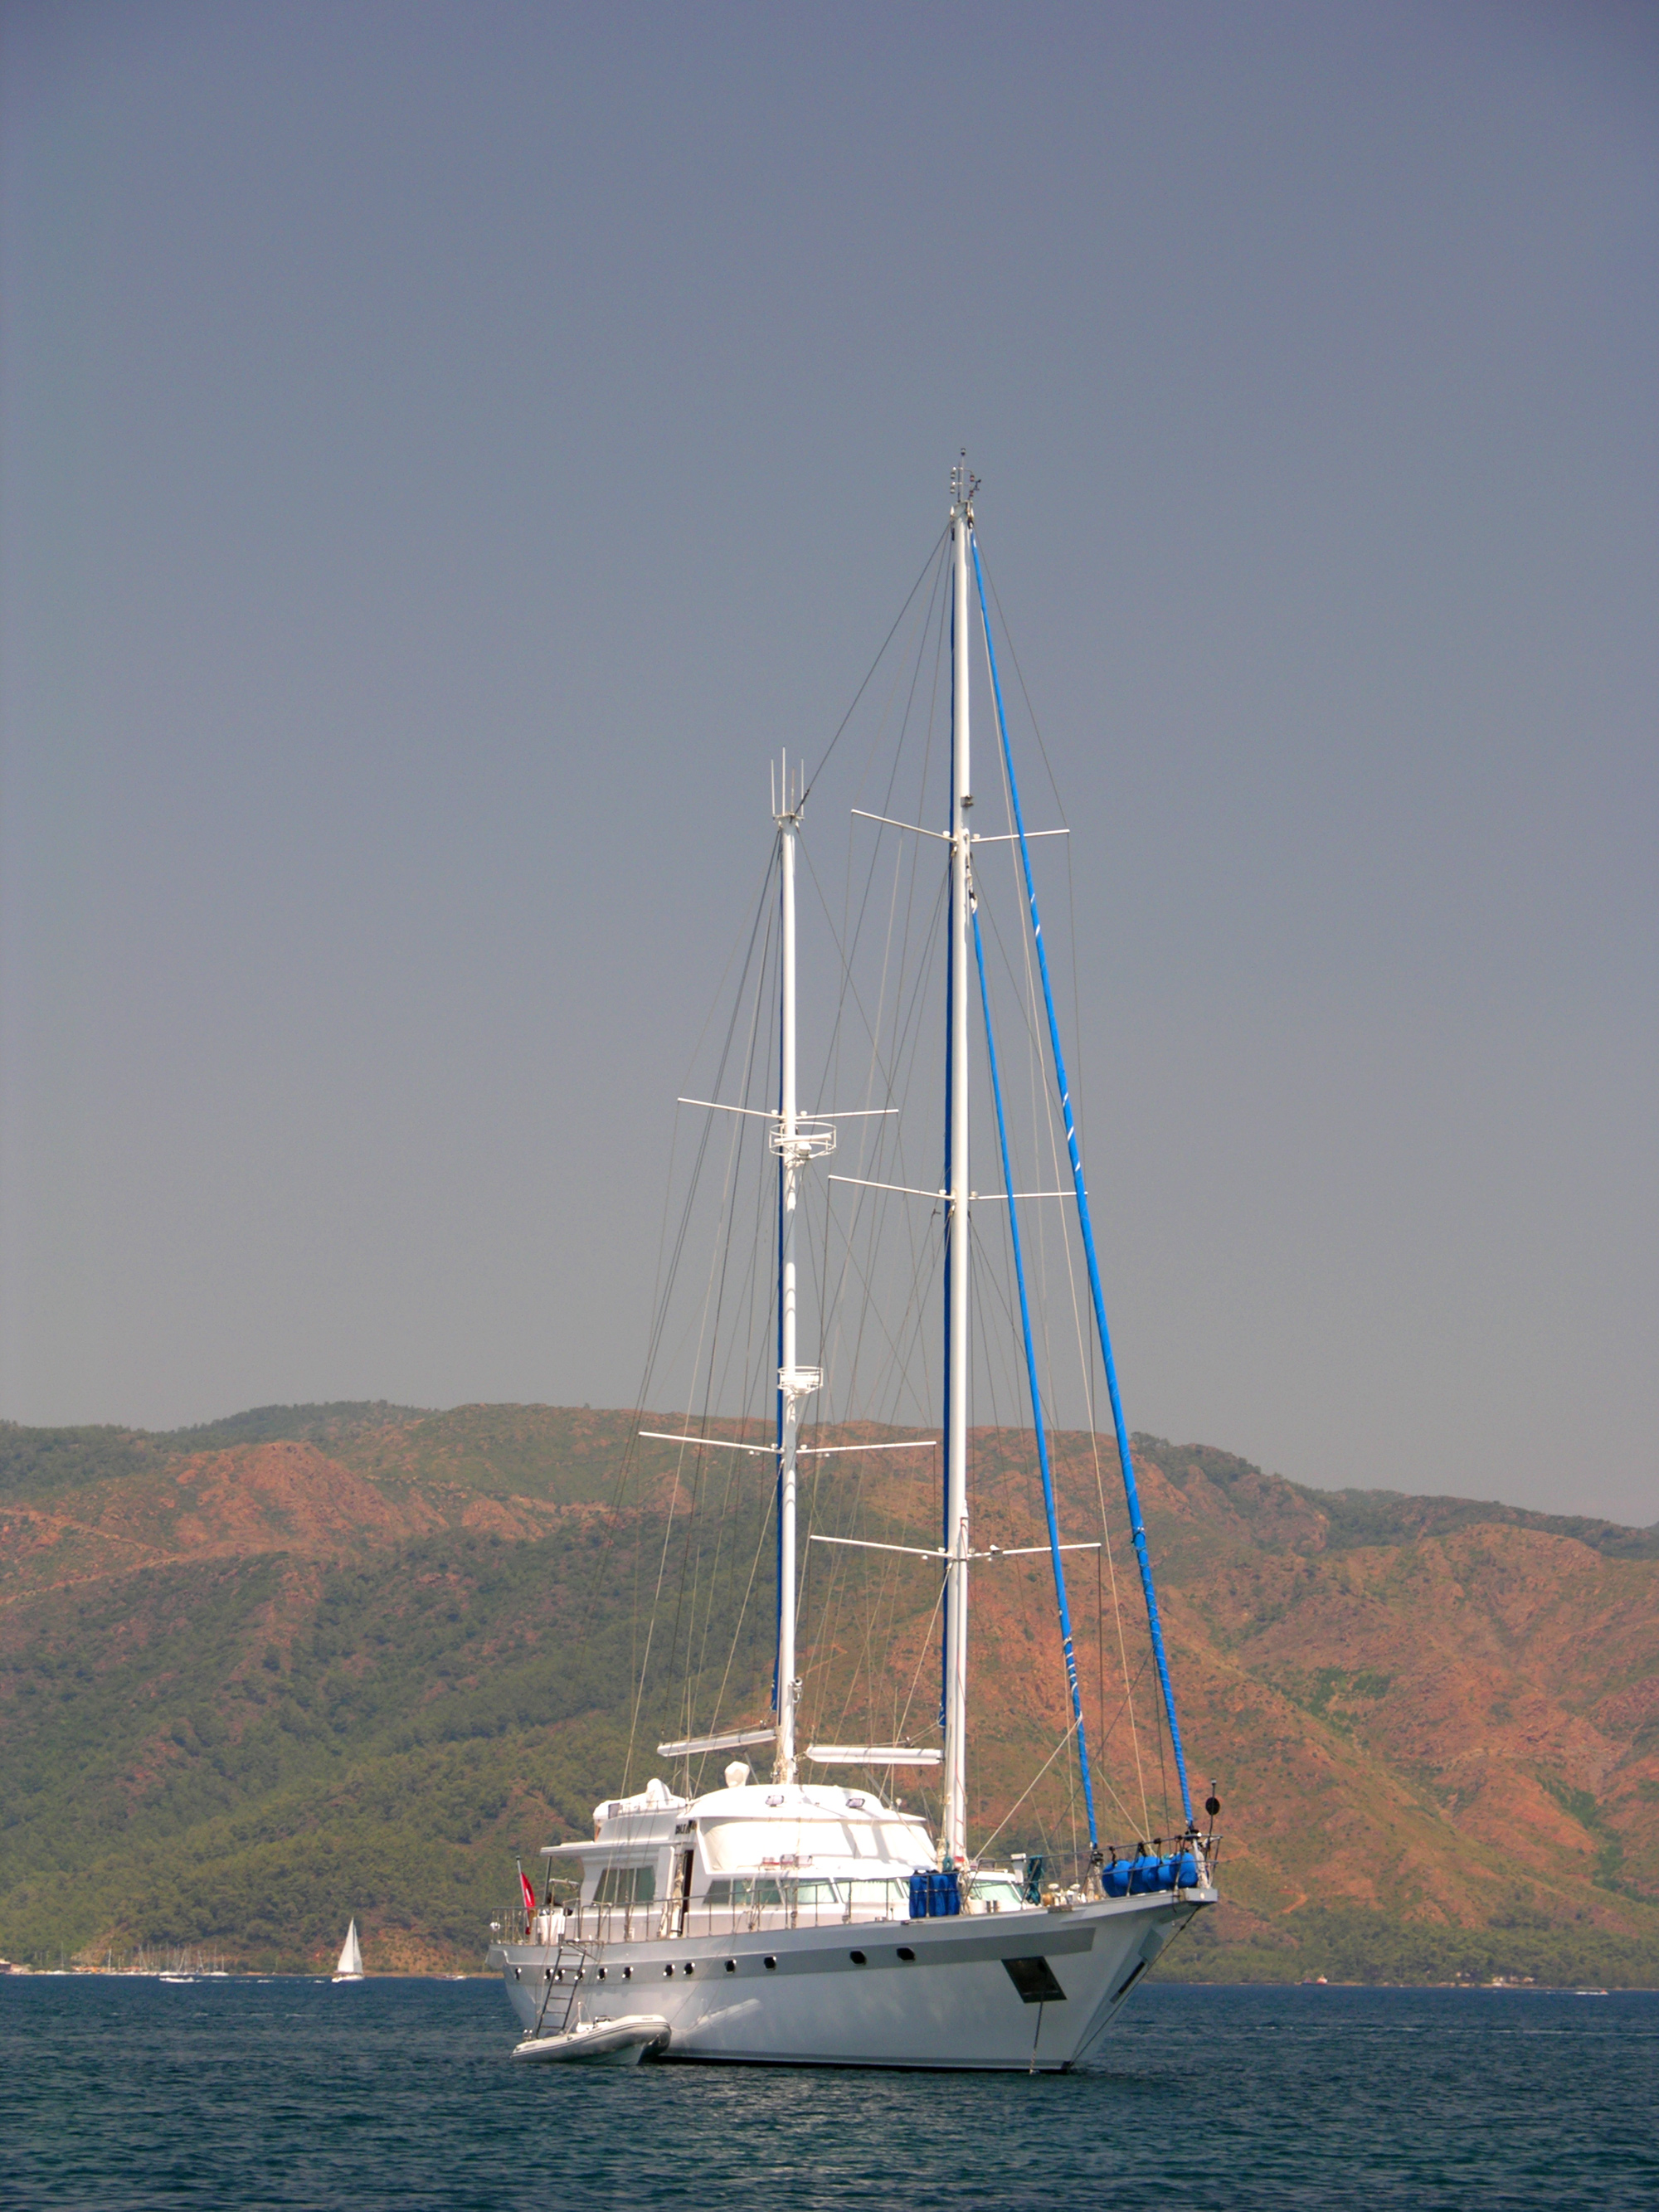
x: 12, y: 1972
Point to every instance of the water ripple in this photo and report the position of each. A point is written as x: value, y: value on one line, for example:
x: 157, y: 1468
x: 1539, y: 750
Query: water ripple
x: 135, y: 2097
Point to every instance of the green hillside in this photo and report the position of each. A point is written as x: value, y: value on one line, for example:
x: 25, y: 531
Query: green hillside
x: 316, y: 1661
x: 209, y: 1751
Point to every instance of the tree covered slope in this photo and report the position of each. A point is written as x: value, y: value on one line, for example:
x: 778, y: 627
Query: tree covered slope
x: 317, y: 1661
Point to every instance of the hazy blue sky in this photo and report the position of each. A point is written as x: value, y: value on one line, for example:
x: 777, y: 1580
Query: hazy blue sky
x: 447, y: 450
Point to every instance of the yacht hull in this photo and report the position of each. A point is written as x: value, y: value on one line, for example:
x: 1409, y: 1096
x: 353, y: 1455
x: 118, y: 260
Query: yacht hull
x: 1031, y: 1991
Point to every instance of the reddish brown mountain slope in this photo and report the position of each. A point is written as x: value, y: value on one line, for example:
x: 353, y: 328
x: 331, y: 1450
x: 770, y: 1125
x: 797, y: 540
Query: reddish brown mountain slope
x: 1434, y: 1725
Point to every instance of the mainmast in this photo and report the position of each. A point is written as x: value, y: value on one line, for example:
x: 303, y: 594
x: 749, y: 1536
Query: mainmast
x: 962, y: 487
x: 794, y: 1143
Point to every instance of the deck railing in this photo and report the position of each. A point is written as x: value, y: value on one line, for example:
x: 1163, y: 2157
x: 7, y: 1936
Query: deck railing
x: 639, y: 1923
x: 808, y: 1905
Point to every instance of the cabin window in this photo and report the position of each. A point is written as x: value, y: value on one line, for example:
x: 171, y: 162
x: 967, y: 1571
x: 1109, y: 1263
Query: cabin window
x: 761, y: 1890
x: 1000, y: 1894
x: 627, y: 1885
x: 876, y: 1896
x: 741, y: 1890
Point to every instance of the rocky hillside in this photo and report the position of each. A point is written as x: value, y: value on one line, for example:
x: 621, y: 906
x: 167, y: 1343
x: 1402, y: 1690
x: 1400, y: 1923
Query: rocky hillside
x: 355, y: 1658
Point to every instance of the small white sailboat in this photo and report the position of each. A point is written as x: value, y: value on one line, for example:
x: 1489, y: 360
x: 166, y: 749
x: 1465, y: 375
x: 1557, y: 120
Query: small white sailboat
x: 350, y: 1966
x: 812, y: 1921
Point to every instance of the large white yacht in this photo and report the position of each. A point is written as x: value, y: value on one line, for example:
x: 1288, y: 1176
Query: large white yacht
x: 792, y: 1919
x: 802, y: 1923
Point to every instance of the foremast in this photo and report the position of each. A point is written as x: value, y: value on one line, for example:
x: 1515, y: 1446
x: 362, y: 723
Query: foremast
x: 795, y: 1141
x: 954, y: 1840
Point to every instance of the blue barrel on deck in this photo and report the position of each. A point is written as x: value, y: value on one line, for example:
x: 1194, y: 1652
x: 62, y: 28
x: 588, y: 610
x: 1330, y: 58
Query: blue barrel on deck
x: 944, y: 1893
x: 1115, y: 1878
x: 919, y: 1882
x: 1186, y: 1871
x: 1143, y: 1874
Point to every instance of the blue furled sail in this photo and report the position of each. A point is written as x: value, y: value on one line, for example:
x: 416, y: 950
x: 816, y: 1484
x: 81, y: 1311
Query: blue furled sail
x: 1126, y: 1463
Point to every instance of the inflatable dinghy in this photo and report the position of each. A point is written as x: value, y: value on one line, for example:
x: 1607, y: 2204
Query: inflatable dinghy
x: 622, y: 2042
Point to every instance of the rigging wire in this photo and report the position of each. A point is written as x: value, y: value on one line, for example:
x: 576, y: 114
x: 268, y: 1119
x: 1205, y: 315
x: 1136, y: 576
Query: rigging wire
x: 1136, y: 1528
x: 885, y: 1262
x: 1027, y: 999
x: 823, y: 758
x: 754, y: 1359
x: 1068, y: 1650
x: 989, y: 578
x: 1086, y: 1361
x: 716, y: 1275
x: 662, y: 1297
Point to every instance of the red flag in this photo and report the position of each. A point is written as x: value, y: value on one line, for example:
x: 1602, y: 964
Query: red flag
x: 529, y: 1894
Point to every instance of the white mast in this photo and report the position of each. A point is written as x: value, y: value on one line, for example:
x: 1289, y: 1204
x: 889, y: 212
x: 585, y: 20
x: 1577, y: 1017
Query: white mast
x: 956, y: 1411
x: 794, y: 1144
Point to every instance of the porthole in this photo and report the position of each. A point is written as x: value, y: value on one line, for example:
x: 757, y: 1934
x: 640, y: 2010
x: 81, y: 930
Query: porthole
x: 689, y: 1967
x: 628, y: 1973
x: 908, y: 1957
x: 858, y: 1958
x: 730, y: 1966
x: 770, y: 1964
x: 669, y: 1970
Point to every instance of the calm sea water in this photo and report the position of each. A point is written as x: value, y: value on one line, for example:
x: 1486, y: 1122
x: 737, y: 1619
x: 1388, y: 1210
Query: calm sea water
x: 125, y: 2094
